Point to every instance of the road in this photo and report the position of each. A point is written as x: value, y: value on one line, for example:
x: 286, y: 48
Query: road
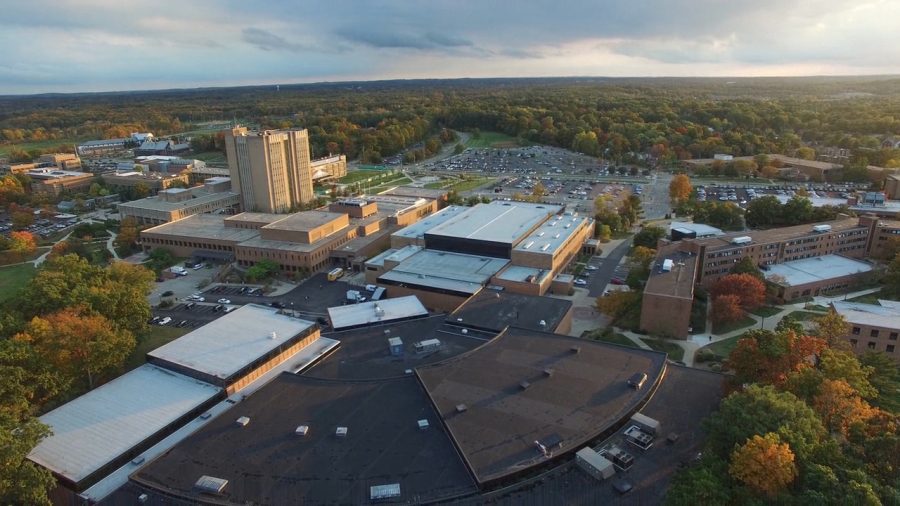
x: 655, y: 200
x: 606, y: 269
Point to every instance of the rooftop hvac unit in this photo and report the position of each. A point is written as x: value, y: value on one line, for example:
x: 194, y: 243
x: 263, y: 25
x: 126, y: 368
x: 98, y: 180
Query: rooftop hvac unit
x: 341, y: 432
x: 423, y: 424
x: 273, y: 335
x: 575, y: 349
x: 541, y: 234
x: 548, y: 372
x: 556, y: 236
x: 243, y: 421
x: 528, y: 245
x: 568, y: 225
x: 821, y: 228
x: 543, y: 324
x: 744, y: 239
x: 461, y: 408
x: 545, y: 247
x: 667, y: 265
x: 302, y: 430
x: 210, y: 484
x: 382, y: 492
x: 524, y: 385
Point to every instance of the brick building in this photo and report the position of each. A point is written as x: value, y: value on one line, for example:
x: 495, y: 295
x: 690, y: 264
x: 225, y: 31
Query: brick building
x: 872, y: 327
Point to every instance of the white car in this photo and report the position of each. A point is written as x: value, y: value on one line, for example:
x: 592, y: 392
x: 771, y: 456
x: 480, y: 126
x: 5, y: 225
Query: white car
x: 165, y: 321
x: 224, y: 301
x: 591, y: 268
x: 196, y: 298
x: 580, y: 282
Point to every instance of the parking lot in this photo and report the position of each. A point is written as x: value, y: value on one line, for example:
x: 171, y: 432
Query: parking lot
x: 742, y: 194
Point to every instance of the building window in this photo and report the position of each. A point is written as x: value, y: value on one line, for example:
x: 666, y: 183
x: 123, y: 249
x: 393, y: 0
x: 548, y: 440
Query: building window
x: 871, y: 345
x: 873, y: 333
x: 890, y: 348
x: 855, y: 331
x: 853, y: 342
x: 892, y: 336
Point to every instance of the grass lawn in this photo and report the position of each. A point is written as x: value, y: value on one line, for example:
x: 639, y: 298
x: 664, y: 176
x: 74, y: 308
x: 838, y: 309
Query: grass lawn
x: 27, y: 146
x: 8, y: 257
x: 674, y: 351
x: 211, y: 157
x: 461, y: 185
x: 766, y: 311
x: 723, y: 348
x: 362, y: 174
x: 804, y: 316
x: 731, y: 327
x: 609, y: 337
x: 493, y: 140
x: 388, y: 184
x: 13, y: 278
x: 152, y: 338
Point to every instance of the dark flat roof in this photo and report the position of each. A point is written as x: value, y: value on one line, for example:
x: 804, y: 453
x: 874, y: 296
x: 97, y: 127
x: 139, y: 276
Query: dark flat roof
x: 364, y: 352
x: 495, y: 310
x: 586, y: 394
x: 266, y: 463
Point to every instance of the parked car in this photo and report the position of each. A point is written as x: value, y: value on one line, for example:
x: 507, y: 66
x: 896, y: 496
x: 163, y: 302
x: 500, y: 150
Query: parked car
x: 165, y: 321
x: 580, y: 282
x: 153, y: 320
x: 218, y: 308
x: 591, y: 268
x: 277, y: 304
x: 224, y: 301
x: 617, y: 281
x: 182, y: 323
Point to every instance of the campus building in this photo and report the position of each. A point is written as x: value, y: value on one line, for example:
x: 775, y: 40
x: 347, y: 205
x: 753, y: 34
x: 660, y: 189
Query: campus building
x: 798, y: 261
x: 270, y: 169
x: 215, y: 196
x: 346, y: 233
x: 102, y: 146
x: 330, y: 167
x: 800, y: 169
x: 55, y: 181
x: 872, y: 327
x: 153, y: 182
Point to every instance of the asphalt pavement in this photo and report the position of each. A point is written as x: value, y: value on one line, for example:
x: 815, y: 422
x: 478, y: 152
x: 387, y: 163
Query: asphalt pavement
x: 606, y: 269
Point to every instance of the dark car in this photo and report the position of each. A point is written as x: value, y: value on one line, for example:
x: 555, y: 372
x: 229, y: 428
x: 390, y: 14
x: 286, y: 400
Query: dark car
x: 617, y: 281
x: 277, y: 304
x: 182, y: 323
x: 218, y: 308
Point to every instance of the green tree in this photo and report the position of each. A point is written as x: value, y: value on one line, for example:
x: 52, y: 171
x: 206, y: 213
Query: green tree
x: 885, y: 379
x: 832, y: 327
x: 649, y: 236
x: 704, y: 483
x: 263, y: 270
x: 891, y: 279
x: 747, y: 266
x: 21, y: 480
x: 764, y: 211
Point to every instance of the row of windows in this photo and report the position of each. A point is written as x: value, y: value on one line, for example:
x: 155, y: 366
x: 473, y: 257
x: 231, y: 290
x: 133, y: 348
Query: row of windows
x: 873, y: 346
x: 875, y: 333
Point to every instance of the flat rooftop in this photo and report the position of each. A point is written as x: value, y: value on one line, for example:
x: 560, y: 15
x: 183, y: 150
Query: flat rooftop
x: 203, y: 226
x: 265, y: 462
x: 445, y: 271
x: 779, y: 234
x: 498, y: 222
x: 248, y: 217
x: 884, y: 314
x: 496, y: 310
x: 365, y: 354
x: 678, y: 282
x: 811, y: 270
x: 395, y: 255
x: 103, y: 425
x: 418, y: 229
x: 373, y: 312
x: 305, y: 221
x: 586, y: 393
x: 415, y: 191
x: 523, y: 274
x: 548, y: 238
x: 199, y: 198
x: 699, y: 228
x: 228, y: 344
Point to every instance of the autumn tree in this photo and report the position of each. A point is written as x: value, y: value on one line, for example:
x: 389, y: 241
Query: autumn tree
x: 763, y: 356
x: 680, y: 188
x: 748, y: 288
x: 617, y: 303
x: 764, y: 463
x: 726, y: 309
x: 78, y: 344
x: 603, y: 232
x: 649, y: 236
x: 128, y: 233
x: 22, y: 243
x: 840, y: 406
x: 21, y: 480
x: 833, y: 328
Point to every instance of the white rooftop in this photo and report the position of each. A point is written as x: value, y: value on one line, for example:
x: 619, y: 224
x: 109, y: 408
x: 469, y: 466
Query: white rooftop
x: 101, y: 425
x: 419, y: 228
x: 395, y: 255
x: 224, y: 346
x: 385, y: 310
x: 521, y: 274
x: 884, y: 314
x: 810, y: 270
x: 500, y: 221
x: 699, y: 228
x: 548, y: 238
x: 444, y: 270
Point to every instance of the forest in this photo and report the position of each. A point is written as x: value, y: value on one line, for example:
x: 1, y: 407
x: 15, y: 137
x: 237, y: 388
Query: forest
x: 669, y: 118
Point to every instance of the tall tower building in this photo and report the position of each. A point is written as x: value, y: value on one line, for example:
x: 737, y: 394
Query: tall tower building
x: 270, y: 168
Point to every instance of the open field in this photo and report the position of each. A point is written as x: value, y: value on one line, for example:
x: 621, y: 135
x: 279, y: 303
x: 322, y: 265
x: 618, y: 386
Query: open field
x: 12, y: 279
x: 391, y: 183
x: 363, y: 174
x: 462, y: 185
x: 493, y: 140
x: 731, y: 327
x: 210, y: 157
x: 766, y: 311
x: 42, y: 145
x: 805, y: 316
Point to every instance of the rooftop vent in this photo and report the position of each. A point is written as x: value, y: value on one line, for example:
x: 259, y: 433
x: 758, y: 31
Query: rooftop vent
x: 821, y: 228
x: 545, y: 247
x: 548, y: 372
x: 543, y: 324
x: 341, y: 432
x: 302, y: 430
x: 575, y: 349
x: 243, y: 421
x: 210, y: 484
x: 744, y: 239
x: 423, y: 424
x: 273, y: 335
x: 528, y: 245
x: 524, y: 385
x: 461, y: 408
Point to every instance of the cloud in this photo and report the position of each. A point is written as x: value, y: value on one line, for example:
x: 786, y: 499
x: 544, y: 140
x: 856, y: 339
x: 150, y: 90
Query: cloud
x: 268, y: 41
x: 403, y: 40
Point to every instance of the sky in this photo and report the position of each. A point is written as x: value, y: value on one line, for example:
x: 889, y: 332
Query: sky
x: 112, y: 45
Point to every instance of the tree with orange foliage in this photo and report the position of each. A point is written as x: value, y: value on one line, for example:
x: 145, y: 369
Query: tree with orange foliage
x: 840, y: 406
x: 22, y: 243
x: 767, y: 357
x: 765, y: 464
x: 680, y: 188
x: 749, y: 288
x: 726, y: 309
x: 75, y: 343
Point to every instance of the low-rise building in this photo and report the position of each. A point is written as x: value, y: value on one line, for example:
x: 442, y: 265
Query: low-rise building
x: 330, y: 167
x: 165, y: 147
x: 669, y: 293
x: 102, y: 146
x: 153, y: 181
x: 815, y: 276
x: 54, y: 181
x: 871, y: 327
x: 62, y: 161
x: 177, y: 203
